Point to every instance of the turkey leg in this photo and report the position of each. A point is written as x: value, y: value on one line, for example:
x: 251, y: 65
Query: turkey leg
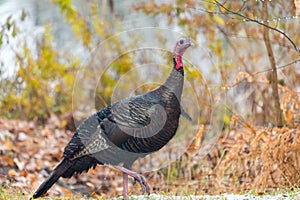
x: 138, y: 177
x: 125, y: 185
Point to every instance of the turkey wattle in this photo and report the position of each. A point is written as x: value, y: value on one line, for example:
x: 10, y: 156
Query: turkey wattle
x: 126, y: 130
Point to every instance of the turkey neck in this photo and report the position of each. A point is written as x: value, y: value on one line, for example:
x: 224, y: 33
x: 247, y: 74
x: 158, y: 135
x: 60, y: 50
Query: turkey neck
x: 176, y: 78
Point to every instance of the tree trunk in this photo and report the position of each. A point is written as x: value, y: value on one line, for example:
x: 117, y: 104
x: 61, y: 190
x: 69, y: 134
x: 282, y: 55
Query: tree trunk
x: 273, y: 74
x: 297, y: 5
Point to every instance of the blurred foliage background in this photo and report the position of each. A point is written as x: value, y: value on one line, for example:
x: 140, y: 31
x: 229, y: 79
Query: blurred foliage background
x: 45, y: 43
x: 72, y: 57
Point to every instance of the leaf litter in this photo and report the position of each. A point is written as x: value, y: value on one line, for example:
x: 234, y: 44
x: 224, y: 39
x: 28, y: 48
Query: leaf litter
x: 243, y: 160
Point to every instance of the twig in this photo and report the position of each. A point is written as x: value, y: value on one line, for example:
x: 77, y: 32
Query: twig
x: 267, y: 70
x: 258, y: 22
x: 280, y: 67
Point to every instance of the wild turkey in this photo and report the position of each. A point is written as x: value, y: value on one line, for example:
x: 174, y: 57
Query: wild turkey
x: 126, y: 130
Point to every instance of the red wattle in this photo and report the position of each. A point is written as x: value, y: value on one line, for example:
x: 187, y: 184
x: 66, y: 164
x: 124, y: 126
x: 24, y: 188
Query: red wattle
x: 179, y: 63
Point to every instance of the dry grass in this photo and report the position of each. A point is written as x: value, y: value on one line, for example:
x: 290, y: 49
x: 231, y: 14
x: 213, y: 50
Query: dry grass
x: 253, y: 159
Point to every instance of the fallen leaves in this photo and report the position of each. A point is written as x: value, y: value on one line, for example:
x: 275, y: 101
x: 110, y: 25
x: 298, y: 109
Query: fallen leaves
x: 7, y: 161
x: 242, y: 159
x: 28, y: 153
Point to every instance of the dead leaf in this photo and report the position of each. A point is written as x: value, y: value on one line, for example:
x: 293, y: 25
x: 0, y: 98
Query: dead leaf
x: 9, y: 145
x: 12, y: 173
x: 7, y: 161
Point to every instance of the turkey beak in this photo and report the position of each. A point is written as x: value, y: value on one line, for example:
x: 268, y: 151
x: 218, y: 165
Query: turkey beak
x: 192, y: 43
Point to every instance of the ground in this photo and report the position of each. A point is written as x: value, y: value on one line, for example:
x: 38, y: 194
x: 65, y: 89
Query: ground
x: 252, y: 161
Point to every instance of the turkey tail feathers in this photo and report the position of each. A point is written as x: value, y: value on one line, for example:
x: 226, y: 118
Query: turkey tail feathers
x: 61, y: 168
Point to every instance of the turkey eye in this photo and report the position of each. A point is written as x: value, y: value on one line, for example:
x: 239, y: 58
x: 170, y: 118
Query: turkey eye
x: 181, y: 41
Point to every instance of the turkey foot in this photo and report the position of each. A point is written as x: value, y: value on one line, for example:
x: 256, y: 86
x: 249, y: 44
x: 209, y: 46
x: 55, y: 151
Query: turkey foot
x: 142, y: 181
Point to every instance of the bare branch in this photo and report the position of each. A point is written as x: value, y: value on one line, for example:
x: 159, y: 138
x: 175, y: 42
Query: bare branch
x: 267, y: 70
x: 281, y: 67
x: 258, y: 22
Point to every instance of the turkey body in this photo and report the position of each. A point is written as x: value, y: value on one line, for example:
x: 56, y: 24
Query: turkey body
x: 124, y: 131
